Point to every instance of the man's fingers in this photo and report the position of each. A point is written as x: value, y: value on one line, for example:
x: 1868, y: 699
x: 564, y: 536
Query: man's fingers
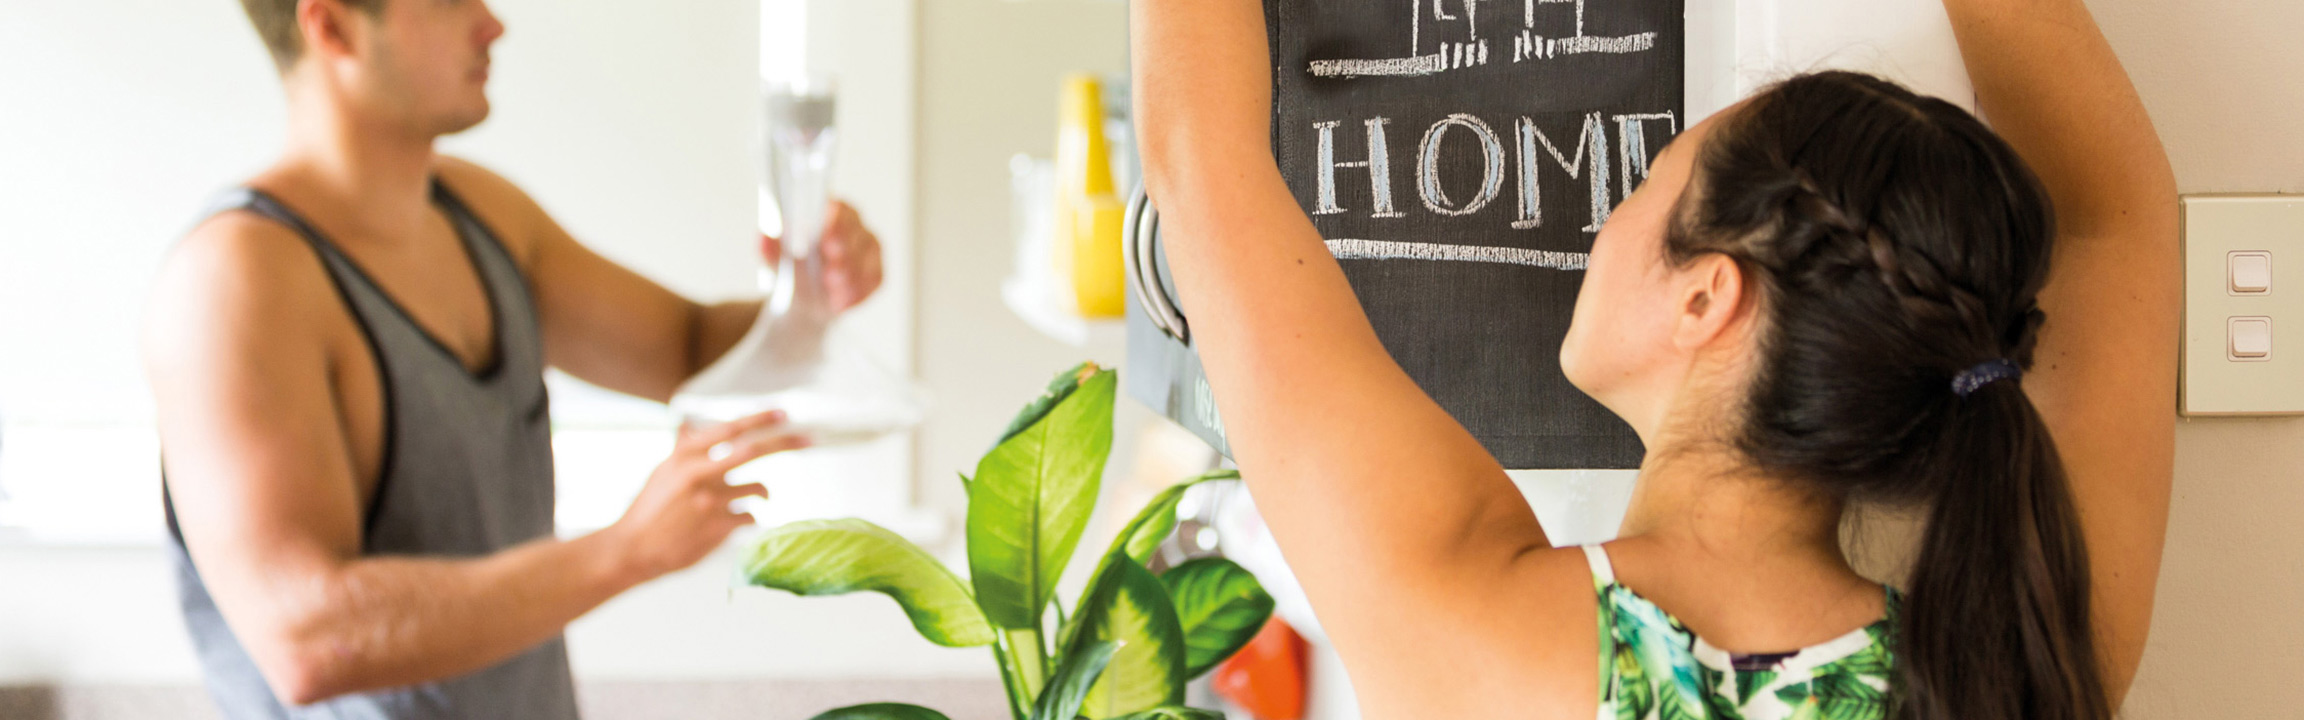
x: 835, y: 245
x: 752, y: 448
x: 852, y: 254
x: 872, y: 269
x: 734, y: 519
x: 702, y: 439
x: 739, y: 492
x: 771, y: 249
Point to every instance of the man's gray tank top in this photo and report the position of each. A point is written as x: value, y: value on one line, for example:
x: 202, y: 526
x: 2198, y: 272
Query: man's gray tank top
x: 467, y: 471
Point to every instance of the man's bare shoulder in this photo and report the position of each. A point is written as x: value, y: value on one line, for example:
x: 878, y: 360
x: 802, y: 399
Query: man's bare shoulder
x: 507, y: 210
x: 241, y: 278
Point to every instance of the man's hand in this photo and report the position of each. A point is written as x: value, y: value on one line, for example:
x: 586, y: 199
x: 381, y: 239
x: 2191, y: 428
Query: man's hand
x: 683, y: 514
x: 851, y: 257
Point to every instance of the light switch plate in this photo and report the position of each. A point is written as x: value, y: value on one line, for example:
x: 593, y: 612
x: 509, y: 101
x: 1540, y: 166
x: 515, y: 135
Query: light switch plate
x: 2215, y: 382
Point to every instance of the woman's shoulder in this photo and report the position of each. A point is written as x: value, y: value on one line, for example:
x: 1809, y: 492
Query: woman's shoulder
x: 1551, y: 632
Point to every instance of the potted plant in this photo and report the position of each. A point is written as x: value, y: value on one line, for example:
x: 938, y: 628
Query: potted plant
x: 1129, y: 644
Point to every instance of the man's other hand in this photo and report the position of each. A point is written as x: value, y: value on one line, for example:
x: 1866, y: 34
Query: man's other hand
x: 851, y: 257
x: 683, y: 513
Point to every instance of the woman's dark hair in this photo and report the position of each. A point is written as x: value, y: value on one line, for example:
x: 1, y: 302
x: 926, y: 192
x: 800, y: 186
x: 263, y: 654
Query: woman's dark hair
x: 1896, y: 242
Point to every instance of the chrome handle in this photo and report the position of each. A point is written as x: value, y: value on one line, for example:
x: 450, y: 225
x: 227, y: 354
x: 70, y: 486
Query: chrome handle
x: 1142, y: 231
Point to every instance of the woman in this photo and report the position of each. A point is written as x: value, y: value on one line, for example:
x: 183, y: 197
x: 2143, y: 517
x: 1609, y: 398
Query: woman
x: 1829, y: 294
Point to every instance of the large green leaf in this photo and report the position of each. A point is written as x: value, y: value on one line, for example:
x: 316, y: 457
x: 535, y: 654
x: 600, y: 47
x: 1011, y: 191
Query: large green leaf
x: 1158, y: 518
x: 1143, y: 534
x: 1127, y: 606
x: 1220, y: 605
x: 1058, y: 389
x: 1174, y: 712
x: 1031, y: 498
x: 881, y: 711
x: 1069, y: 686
x: 836, y: 557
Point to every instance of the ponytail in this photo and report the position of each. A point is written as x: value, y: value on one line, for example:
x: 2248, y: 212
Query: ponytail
x: 1995, y: 624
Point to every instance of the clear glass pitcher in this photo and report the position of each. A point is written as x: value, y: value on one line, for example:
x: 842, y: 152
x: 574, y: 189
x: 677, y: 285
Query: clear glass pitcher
x: 789, y: 360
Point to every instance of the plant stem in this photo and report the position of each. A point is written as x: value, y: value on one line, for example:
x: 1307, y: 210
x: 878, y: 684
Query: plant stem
x: 1016, y: 695
x: 1030, y: 660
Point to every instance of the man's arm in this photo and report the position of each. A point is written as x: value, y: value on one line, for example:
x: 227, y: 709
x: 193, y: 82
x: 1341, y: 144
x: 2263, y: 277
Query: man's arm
x: 613, y: 328
x: 236, y: 347
x: 2105, y: 378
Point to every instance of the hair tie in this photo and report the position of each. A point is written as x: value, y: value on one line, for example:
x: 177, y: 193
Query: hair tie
x: 1985, y: 373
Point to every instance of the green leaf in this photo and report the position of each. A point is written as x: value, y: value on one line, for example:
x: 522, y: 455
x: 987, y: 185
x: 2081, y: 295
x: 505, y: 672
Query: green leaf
x: 1058, y: 389
x: 1069, y: 686
x: 881, y: 711
x: 1143, y: 534
x: 1675, y: 705
x: 1126, y: 605
x: 1031, y: 499
x: 1158, y: 518
x: 1032, y: 664
x: 1174, y: 712
x: 1750, y: 682
x: 836, y: 557
x: 1637, y: 696
x: 1842, y: 696
x: 1220, y: 605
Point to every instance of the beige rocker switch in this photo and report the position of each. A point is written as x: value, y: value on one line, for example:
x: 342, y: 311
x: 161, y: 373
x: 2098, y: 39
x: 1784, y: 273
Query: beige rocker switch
x: 2251, y: 272
x: 2251, y: 339
x: 2242, y: 254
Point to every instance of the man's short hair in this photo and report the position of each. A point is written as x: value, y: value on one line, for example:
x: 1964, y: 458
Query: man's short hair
x: 275, y: 22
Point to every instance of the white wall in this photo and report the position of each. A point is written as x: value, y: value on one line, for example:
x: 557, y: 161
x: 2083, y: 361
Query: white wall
x: 633, y: 122
x: 2220, y: 78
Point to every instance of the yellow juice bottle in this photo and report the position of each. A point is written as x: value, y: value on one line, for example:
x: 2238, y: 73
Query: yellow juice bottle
x: 1089, y: 213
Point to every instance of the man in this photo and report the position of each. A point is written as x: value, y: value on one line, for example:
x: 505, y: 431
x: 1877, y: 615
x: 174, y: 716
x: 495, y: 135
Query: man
x: 348, y: 367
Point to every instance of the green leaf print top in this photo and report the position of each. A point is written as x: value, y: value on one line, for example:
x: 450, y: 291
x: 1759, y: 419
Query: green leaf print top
x: 1653, y: 668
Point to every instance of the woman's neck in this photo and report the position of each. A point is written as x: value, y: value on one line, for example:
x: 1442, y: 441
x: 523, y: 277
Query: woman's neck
x: 1750, y: 562
x: 1697, y: 492
x: 1710, y: 499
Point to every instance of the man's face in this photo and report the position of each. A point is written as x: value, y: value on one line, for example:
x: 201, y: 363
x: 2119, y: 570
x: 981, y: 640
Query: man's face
x: 424, y: 63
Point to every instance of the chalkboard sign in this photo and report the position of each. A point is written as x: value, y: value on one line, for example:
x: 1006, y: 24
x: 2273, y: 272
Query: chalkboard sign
x: 1458, y: 156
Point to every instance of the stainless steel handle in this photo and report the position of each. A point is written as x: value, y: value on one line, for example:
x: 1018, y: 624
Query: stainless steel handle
x: 1138, y: 246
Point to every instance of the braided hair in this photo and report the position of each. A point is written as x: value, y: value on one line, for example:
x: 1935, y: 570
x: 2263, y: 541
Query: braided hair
x: 1898, y: 242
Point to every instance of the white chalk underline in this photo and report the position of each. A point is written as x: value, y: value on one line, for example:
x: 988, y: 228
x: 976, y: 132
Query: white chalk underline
x: 1392, y: 250
x: 1395, y: 67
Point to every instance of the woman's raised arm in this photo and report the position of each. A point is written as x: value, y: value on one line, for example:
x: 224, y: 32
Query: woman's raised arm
x: 2105, y: 374
x: 1391, y: 513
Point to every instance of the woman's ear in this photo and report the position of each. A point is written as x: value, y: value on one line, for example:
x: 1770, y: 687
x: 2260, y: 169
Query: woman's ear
x: 1711, y: 301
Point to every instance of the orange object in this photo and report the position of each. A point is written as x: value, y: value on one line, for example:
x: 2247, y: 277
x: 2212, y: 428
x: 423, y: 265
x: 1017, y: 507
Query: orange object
x: 1267, y: 676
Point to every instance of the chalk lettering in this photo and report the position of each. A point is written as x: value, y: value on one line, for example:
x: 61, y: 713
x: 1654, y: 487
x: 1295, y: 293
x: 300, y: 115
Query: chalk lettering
x: 1591, y: 144
x: 1379, y: 165
x: 1632, y: 144
x: 1428, y: 165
